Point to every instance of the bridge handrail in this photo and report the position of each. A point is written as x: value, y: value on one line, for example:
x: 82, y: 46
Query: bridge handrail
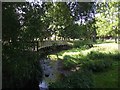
x: 50, y: 43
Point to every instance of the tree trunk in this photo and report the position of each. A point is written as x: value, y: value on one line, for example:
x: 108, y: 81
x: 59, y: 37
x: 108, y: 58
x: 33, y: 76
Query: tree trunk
x: 37, y: 45
x: 102, y: 38
x: 62, y: 38
x: 81, y: 20
x: 55, y: 37
x: 94, y: 35
x: 116, y: 39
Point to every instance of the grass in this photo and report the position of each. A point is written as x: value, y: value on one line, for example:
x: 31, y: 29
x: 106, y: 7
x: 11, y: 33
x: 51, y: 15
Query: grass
x: 105, y: 41
x: 108, y: 79
x: 104, y: 51
x: 103, y: 48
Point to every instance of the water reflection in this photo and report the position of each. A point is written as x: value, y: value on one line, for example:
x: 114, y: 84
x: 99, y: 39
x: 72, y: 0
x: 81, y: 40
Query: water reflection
x: 43, y: 85
x: 47, y: 73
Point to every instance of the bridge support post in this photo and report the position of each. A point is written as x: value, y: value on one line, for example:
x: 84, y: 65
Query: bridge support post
x: 37, y: 45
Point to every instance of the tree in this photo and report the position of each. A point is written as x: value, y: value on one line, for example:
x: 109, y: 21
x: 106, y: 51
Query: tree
x: 86, y: 15
x: 18, y: 65
x: 107, y: 22
x: 33, y: 26
x: 10, y: 24
x: 59, y: 15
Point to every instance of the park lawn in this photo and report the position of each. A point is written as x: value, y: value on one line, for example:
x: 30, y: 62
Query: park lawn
x: 103, y: 48
x: 109, y: 78
x: 103, y: 79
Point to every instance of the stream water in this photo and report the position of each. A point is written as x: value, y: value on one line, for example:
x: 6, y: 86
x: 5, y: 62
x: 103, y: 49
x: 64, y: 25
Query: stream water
x: 51, y: 72
x: 51, y: 69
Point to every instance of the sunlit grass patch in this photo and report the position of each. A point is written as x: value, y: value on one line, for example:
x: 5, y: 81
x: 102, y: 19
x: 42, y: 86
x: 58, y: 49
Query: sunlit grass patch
x: 71, y: 53
x: 53, y: 57
x: 105, y: 41
x: 77, y: 53
x: 107, y: 47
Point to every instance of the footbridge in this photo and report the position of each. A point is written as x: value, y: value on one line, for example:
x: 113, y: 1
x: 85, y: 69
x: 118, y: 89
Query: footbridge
x: 37, y: 45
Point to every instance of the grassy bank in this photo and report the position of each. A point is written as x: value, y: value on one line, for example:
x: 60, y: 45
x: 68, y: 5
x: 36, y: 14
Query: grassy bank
x: 102, y: 60
x: 108, y: 79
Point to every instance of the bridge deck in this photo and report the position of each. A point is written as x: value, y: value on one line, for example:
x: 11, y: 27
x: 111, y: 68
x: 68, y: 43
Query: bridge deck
x: 51, y: 43
x: 38, y: 45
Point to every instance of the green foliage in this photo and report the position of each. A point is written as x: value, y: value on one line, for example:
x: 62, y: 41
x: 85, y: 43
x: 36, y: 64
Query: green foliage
x: 79, y: 79
x: 84, y: 44
x: 21, y: 67
x: 68, y: 62
x: 107, y: 21
x: 10, y: 22
x: 108, y: 79
x: 38, y: 22
x: 98, y: 61
x: 115, y: 57
x: 75, y: 31
x: 33, y: 24
x: 54, y: 44
x: 97, y: 66
x: 94, y: 61
x: 79, y: 44
x: 98, y: 55
x: 60, y: 17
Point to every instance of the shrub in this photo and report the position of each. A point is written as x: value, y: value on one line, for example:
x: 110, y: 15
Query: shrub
x: 68, y: 62
x: 21, y: 70
x: 79, y: 79
x: 67, y: 57
x: 97, y: 65
x: 96, y: 55
x: 115, y: 56
x: 84, y: 44
x: 79, y: 44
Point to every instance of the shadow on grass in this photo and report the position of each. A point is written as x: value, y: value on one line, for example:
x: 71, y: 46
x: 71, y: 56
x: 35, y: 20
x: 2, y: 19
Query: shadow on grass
x: 98, y: 55
x: 94, y: 62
